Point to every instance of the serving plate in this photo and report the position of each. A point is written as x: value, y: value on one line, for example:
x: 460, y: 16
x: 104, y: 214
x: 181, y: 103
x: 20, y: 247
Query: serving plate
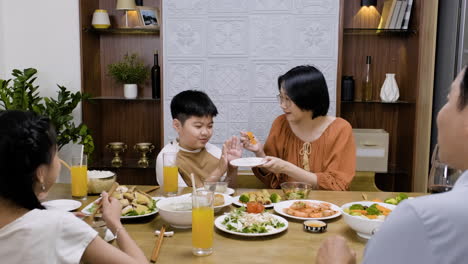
x: 247, y: 162
x: 279, y: 208
x: 219, y: 224
x: 88, y: 210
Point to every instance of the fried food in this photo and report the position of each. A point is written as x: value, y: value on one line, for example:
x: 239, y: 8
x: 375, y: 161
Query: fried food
x: 133, y: 201
x: 251, y: 137
x: 218, y: 199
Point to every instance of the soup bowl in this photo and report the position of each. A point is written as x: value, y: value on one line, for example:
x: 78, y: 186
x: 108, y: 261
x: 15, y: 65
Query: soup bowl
x: 176, y: 211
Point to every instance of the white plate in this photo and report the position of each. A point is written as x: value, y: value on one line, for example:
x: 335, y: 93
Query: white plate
x: 285, y: 204
x: 88, y: 207
x: 235, y: 200
x: 219, y: 224
x: 62, y: 205
x: 247, y: 162
x: 229, y: 191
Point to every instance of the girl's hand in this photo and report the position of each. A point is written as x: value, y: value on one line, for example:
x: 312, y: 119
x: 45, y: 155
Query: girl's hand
x: 111, y: 210
x: 256, y: 148
x: 274, y: 164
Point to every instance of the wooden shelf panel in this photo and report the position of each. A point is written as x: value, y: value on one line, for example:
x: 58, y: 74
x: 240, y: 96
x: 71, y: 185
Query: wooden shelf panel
x: 118, y: 98
x: 132, y: 163
x: 132, y: 31
x: 378, y: 32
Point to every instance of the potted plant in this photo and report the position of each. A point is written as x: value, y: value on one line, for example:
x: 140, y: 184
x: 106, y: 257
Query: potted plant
x: 131, y: 71
x: 20, y: 93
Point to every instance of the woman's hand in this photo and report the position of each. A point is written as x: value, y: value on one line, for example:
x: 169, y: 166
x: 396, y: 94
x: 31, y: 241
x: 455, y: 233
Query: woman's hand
x: 111, y: 211
x: 256, y: 148
x: 275, y: 165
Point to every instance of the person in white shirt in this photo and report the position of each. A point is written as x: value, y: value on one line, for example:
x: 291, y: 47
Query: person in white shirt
x: 29, y: 166
x: 428, y: 229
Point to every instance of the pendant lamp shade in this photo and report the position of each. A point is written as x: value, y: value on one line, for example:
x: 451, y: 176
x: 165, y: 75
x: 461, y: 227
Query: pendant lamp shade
x: 368, y: 2
x: 125, y: 5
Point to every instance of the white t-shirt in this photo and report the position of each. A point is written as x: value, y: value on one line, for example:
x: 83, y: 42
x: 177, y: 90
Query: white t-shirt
x: 173, y: 146
x: 428, y: 229
x: 45, y: 236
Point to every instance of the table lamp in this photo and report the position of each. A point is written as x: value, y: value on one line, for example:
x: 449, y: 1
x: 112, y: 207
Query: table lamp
x: 126, y: 5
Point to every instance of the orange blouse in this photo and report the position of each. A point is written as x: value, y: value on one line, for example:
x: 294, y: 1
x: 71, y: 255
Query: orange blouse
x: 332, y: 157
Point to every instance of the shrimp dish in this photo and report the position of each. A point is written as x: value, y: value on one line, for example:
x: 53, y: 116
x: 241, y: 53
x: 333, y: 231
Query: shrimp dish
x: 308, y: 209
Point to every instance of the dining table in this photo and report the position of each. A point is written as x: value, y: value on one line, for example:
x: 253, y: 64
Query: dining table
x: 294, y: 245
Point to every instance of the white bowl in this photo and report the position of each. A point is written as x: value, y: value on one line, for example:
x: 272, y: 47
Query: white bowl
x: 364, y: 228
x: 183, y: 219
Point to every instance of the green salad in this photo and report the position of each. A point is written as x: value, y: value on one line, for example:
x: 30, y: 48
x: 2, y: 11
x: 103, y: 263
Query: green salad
x: 240, y: 221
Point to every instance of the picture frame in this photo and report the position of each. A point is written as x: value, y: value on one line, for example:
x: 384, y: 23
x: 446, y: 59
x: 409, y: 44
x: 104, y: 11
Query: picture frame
x: 149, y: 16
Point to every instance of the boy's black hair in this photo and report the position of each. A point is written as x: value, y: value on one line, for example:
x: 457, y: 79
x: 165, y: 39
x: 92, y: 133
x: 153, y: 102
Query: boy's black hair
x: 307, y: 88
x: 192, y: 103
x: 26, y: 142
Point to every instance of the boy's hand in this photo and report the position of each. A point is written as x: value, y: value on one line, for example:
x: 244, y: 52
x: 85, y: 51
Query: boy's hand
x: 233, y: 148
x: 256, y: 148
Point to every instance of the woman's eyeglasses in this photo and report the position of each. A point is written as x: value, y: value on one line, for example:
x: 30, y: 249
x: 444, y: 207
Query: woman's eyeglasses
x: 283, y: 100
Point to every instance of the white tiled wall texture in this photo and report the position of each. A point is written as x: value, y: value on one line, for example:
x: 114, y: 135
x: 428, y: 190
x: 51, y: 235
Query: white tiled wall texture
x: 234, y: 50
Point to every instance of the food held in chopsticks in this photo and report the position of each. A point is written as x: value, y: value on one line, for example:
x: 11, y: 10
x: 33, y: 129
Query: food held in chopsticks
x: 263, y: 197
x: 308, y: 209
x: 251, y: 137
x: 374, y: 211
x: 134, y: 202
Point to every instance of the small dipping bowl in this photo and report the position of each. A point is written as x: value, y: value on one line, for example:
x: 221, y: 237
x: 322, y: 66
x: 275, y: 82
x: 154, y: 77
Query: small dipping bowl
x: 315, y: 226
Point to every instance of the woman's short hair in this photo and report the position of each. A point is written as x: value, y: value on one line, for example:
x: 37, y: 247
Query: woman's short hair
x: 463, y: 98
x: 27, y: 141
x: 307, y: 88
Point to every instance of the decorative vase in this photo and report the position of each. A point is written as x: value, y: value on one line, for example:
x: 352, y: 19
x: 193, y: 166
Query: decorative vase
x: 389, y: 92
x: 100, y: 19
x: 130, y: 91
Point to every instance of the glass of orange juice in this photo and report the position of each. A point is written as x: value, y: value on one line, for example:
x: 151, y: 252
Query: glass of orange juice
x: 79, y: 177
x: 170, y: 174
x: 202, y: 223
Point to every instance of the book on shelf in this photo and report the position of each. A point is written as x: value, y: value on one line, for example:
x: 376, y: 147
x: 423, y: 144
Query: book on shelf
x: 407, y: 14
x: 401, y: 14
x: 385, y: 14
x: 395, y: 13
x: 390, y: 12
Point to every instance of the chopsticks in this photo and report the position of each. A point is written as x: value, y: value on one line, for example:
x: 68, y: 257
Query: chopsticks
x: 99, y: 205
x: 155, y: 254
x: 152, y: 189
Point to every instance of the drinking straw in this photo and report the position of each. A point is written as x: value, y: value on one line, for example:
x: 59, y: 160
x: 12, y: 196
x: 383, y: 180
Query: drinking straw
x: 81, y: 156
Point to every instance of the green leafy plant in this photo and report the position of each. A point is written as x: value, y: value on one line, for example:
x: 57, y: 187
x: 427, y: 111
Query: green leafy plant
x: 20, y: 93
x: 131, y: 70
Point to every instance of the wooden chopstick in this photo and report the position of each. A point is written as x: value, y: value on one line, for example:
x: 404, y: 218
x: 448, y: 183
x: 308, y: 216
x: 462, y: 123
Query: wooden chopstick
x: 152, y: 189
x: 111, y: 191
x: 155, y: 254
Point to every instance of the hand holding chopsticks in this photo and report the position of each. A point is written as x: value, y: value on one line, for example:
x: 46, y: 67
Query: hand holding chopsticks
x: 155, y: 254
x: 99, y: 205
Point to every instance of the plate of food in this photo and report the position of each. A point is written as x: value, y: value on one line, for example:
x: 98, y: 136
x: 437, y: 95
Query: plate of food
x: 239, y: 222
x: 307, y: 209
x: 247, y: 162
x: 263, y: 197
x: 220, y: 200
x: 62, y: 205
x: 135, y: 203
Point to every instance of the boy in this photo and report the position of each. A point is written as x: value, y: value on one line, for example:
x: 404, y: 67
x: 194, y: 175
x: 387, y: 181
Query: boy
x: 192, y: 113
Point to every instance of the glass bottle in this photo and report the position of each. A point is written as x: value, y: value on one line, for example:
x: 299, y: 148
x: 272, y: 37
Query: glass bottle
x: 367, y: 81
x: 156, y: 78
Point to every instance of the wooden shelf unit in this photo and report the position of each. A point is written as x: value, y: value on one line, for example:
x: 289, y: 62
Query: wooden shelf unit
x: 403, y: 52
x: 109, y: 115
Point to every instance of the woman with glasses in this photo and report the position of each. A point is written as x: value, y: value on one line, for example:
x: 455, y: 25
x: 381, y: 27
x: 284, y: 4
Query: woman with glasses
x: 305, y: 144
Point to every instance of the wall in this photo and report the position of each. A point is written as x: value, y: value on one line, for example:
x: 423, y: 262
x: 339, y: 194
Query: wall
x: 43, y: 35
x: 234, y: 50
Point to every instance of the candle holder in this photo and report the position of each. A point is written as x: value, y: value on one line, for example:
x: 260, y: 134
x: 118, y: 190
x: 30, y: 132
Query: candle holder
x: 143, y: 148
x: 117, y: 148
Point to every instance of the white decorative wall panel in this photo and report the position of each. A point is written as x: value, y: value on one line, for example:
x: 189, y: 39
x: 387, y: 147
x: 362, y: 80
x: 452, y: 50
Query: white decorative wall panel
x: 234, y: 50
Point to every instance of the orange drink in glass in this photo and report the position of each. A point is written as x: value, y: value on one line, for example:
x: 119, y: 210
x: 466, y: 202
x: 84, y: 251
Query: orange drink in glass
x: 170, y: 173
x: 202, y: 223
x: 79, y: 177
